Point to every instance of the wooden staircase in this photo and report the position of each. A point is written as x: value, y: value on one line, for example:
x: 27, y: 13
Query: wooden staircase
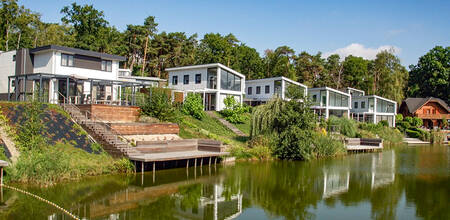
x: 111, y: 141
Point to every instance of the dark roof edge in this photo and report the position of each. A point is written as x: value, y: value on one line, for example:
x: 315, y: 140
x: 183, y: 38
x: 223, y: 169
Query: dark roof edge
x: 78, y: 51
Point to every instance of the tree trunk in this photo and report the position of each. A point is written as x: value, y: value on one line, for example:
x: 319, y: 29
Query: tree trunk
x: 339, y: 76
x: 35, y: 40
x: 145, y: 56
x: 7, y: 35
x: 18, y: 40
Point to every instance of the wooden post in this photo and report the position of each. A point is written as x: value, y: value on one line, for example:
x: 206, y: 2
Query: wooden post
x: 135, y: 164
x: 201, y: 162
x: 215, y: 161
x: 209, y: 162
x: 154, y: 171
x: 195, y: 163
x: 142, y: 167
x: 187, y: 164
x: 154, y: 166
x: 1, y: 176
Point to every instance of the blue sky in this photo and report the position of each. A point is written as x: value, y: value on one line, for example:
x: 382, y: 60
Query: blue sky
x: 347, y: 27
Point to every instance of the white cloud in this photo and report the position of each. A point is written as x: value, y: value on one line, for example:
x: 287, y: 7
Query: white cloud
x: 360, y: 50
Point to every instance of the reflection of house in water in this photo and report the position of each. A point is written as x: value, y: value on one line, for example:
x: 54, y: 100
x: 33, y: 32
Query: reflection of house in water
x: 383, y: 169
x: 335, y: 183
x: 213, y: 204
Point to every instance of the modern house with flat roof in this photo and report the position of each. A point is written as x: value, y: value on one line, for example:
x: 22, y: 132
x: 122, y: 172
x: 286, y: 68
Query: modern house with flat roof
x: 53, y: 72
x: 326, y: 102
x: 259, y: 91
x: 214, y: 82
x: 371, y: 108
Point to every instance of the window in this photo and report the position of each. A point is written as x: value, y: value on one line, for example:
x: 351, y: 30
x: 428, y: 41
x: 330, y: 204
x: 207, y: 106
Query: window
x: 107, y: 65
x: 267, y: 89
x: 277, y: 87
x: 363, y: 104
x: 14, y: 58
x: 355, y: 105
x: 198, y: 78
x: 258, y: 90
x: 434, y: 111
x: 249, y: 90
x: 67, y: 60
x: 174, y: 80
x: 212, y: 78
x: 229, y: 81
x: 186, y: 79
x: 314, y: 98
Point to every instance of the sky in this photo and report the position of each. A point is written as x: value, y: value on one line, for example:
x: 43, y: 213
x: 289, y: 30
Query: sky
x: 361, y: 28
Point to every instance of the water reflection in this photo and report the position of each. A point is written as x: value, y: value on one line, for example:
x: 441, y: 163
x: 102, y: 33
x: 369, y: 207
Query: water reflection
x: 401, y: 183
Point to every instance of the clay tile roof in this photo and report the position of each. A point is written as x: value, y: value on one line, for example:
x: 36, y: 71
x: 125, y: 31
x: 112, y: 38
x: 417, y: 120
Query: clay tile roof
x: 415, y: 103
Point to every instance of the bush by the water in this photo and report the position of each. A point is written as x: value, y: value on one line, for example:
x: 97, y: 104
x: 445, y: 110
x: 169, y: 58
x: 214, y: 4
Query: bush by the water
x: 292, y: 125
x: 159, y: 105
x: 193, y: 105
x: 234, y: 112
x: 388, y: 134
x: 344, y: 126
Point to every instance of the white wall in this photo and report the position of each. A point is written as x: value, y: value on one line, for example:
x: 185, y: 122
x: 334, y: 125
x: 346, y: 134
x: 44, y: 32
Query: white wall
x: 87, y: 73
x: 7, y: 68
x: 262, y: 83
x: 43, y: 62
x: 360, y: 100
x: 191, y: 85
x: 222, y: 97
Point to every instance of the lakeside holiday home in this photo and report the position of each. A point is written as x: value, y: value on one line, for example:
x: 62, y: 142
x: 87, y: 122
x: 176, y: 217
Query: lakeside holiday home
x: 259, y: 91
x: 214, y: 82
x: 371, y: 108
x: 432, y: 111
x: 326, y: 102
x: 51, y: 72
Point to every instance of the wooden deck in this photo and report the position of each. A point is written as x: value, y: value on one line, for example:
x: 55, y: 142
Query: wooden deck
x: 363, y: 144
x: 177, y: 150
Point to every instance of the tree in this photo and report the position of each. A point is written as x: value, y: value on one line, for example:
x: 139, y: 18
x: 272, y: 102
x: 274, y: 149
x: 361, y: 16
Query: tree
x: 88, y: 24
x: 431, y: 75
x: 334, y: 67
x: 8, y: 15
x: 389, y: 76
x: 310, y: 70
x: 279, y: 62
x: 356, y: 74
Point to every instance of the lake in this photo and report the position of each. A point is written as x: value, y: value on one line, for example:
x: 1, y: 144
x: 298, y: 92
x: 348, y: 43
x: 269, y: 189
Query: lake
x: 399, y: 183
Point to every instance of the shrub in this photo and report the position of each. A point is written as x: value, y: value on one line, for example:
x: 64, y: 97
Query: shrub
x: 344, y: 126
x: 384, y: 123
x: 234, y: 112
x: 437, y: 136
x: 158, y: 105
x: 402, y: 125
x: 412, y: 133
x: 29, y: 133
x: 398, y: 117
x: 417, y: 122
x: 409, y: 120
x: 193, y: 105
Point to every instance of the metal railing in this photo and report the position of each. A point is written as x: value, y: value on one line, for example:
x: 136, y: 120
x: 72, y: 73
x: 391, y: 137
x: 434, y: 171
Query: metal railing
x: 94, y: 119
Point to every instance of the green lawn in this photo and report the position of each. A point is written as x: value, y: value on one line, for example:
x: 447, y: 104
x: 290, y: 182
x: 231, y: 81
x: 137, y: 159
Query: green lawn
x: 209, y: 128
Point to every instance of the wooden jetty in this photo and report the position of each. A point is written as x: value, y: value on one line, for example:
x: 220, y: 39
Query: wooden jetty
x: 187, y: 150
x: 363, y: 144
x: 2, y: 164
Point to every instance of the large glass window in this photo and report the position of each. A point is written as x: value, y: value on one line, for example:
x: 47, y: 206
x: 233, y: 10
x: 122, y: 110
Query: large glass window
x: 355, y: 105
x: 385, y: 106
x: 212, y: 78
x: 371, y: 104
x: 229, y: 81
x: 267, y: 89
x: 323, y: 97
x: 338, y: 100
x: 258, y: 90
x: 186, y: 79
x: 277, y: 87
x: 249, y: 92
x: 363, y: 104
x: 198, y: 78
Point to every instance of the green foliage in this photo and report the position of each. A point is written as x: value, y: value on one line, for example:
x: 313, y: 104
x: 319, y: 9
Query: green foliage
x: 388, y: 134
x: 413, y: 133
x: 345, y: 126
x: 193, y: 105
x: 52, y: 164
x: 437, y: 136
x: 417, y: 122
x: 398, y: 117
x: 384, y: 123
x: 158, y: 105
x: 409, y: 119
x: 431, y: 75
x: 234, y: 112
x: 29, y: 134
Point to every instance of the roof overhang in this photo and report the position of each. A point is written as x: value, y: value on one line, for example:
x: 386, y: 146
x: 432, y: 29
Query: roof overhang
x: 77, y: 51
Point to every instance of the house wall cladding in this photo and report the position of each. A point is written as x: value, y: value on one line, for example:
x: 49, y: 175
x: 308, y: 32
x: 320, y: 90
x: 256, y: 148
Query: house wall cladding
x: 145, y: 129
x: 112, y: 113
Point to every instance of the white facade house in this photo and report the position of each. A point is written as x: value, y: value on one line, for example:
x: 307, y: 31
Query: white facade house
x: 372, y: 108
x: 259, y: 91
x: 326, y: 102
x: 52, y: 72
x: 213, y: 81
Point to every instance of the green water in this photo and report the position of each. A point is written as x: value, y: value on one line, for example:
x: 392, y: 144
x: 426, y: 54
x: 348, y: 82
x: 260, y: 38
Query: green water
x: 398, y: 183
